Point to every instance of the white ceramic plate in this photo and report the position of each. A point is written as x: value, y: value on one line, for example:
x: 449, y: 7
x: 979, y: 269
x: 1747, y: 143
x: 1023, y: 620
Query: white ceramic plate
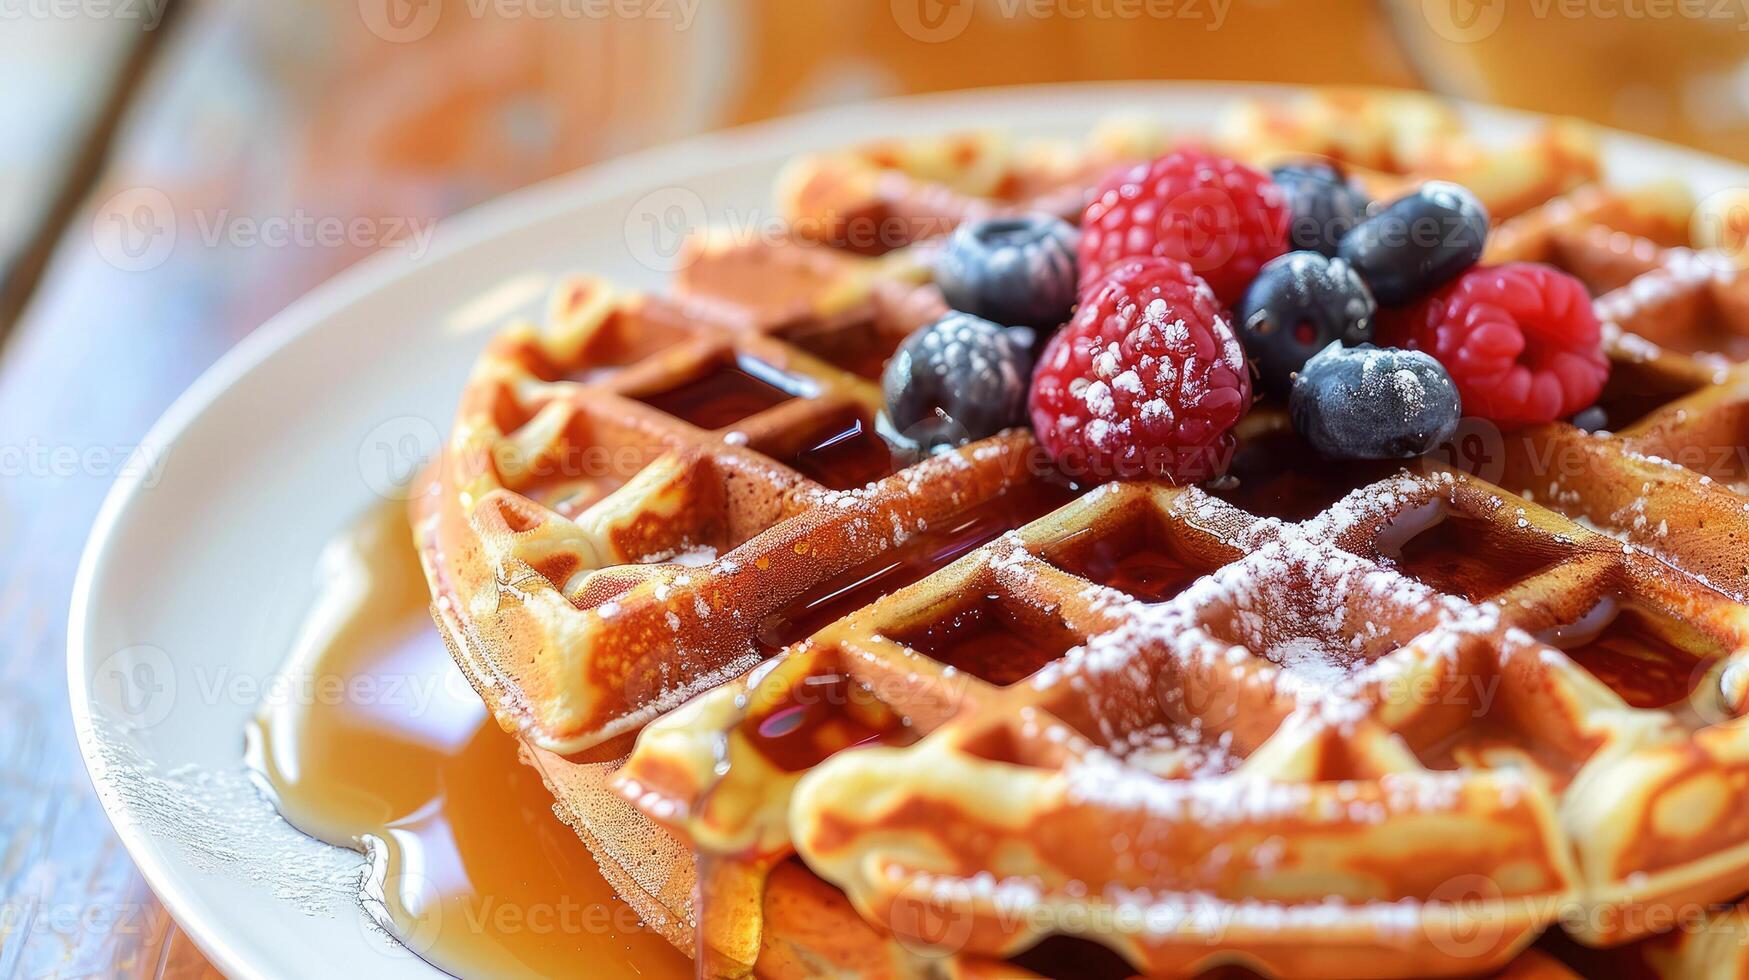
x: 195, y: 577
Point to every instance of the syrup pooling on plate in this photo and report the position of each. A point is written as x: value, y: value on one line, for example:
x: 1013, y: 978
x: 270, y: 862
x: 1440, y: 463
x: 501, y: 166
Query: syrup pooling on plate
x: 393, y: 753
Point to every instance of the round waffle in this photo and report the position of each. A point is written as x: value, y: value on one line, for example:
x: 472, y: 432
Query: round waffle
x: 920, y: 714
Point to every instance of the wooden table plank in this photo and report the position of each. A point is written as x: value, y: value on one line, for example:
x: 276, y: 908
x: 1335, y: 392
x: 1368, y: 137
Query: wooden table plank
x: 62, y: 71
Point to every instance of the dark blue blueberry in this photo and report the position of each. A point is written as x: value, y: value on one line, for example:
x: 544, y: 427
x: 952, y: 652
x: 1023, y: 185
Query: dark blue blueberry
x: 1298, y: 305
x: 1374, y: 403
x: 1418, y: 242
x: 1016, y: 271
x: 958, y: 379
x: 1324, y: 204
x: 1593, y: 419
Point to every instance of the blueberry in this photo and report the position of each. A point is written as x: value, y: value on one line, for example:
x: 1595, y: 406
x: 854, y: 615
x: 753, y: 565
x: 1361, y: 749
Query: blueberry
x: 1324, y: 204
x: 1374, y: 403
x: 1418, y: 242
x: 1298, y: 304
x: 958, y: 379
x: 1016, y: 271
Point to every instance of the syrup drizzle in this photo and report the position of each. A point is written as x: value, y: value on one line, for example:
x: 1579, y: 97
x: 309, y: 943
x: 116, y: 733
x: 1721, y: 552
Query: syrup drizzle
x: 987, y: 640
x: 914, y: 560
x: 1622, y: 647
x: 724, y: 395
x: 394, y: 755
x: 848, y: 456
x: 1461, y: 555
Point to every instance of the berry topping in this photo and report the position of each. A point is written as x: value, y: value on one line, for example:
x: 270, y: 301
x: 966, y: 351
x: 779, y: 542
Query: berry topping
x: 958, y: 379
x: 1222, y: 218
x: 1418, y: 242
x: 1324, y: 204
x: 1520, y: 340
x: 1297, y: 306
x: 1148, y: 379
x: 1017, y: 271
x: 1366, y: 403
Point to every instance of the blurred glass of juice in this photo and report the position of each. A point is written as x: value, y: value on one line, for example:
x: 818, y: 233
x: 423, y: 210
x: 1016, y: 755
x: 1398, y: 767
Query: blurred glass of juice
x: 1676, y: 69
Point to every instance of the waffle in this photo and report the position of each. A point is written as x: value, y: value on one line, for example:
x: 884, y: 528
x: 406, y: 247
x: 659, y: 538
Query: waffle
x: 949, y: 715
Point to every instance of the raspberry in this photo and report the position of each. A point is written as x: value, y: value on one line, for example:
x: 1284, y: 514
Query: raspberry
x: 1148, y: 379
x: 1222, y: 217
x: 1520, y: 340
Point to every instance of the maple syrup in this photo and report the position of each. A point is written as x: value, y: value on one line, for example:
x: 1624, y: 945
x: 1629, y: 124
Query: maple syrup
x: 915, y: 559
x: 849, y: 456
x: 862, y: 352
x: 823, y: 716
x: 990, y: 640
x: 1459, y: 554
x: 1138, y: 557
x: 725, y: 394
x: 471, y: 869
x: 1634, y: 391
x: 1278, y: 474
x: 1623, y: 647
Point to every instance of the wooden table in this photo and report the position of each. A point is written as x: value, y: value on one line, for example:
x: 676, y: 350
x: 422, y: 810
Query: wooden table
x: 232, y: 117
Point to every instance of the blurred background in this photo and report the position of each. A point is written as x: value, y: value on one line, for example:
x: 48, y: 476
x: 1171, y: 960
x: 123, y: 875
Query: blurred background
x: 294, y: 136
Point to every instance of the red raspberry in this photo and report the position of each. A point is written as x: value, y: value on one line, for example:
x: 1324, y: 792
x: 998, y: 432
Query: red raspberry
x: 1222, y: 217
x: 1148, y: 379
x: 1520, y: 340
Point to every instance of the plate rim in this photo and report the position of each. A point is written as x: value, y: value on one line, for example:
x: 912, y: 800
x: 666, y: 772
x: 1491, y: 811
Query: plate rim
x: 477, y: 227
